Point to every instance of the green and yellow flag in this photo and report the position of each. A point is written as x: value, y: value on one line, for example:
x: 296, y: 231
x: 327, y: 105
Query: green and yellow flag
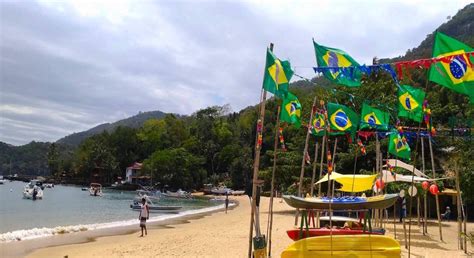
x: 291, y: 110
x: 398, y: 146
x: 410, y: 102
x: 318, y: 125
x: 332, y: 57
x: 373, y: 118
x: 342, y: 118
x: 277, y: 75
x: 457, y: 74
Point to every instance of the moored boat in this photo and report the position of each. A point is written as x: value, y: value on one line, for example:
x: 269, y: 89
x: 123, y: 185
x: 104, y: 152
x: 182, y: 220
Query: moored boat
x: 136, y: 205
x: 178, y: 194
x: 95, y: 189
x: 32, y: 191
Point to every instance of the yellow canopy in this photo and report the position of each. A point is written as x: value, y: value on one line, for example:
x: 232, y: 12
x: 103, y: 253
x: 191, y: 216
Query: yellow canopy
x: 361, y: 182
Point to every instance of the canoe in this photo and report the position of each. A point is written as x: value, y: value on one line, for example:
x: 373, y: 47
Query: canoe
x: 317, y: 232
x: 374, y: 246
x: 342, y: 203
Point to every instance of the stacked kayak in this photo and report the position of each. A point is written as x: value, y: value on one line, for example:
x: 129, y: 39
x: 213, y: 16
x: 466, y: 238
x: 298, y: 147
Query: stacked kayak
x: 342, y: 203
x: 373, y: 246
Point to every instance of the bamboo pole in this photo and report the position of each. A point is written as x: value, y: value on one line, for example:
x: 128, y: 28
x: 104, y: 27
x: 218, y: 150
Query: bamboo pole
x: 303, y: 160
x: 256, y: 165
x: 333, y: 156
x: 272, y: 189
x: 436, y: 196
x: 321, y: 165
x: 412, y: 187
x: 395, y: 220
x: 464, y: 213
x: 425, y: 226
x: 315, y: 164
x: 459, y: 204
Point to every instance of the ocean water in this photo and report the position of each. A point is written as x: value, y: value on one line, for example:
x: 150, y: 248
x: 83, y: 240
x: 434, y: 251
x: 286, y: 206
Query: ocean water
x: 65, y: 209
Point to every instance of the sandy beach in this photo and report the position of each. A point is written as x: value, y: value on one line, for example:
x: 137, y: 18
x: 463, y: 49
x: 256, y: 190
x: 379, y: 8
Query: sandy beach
x: 226, y: 235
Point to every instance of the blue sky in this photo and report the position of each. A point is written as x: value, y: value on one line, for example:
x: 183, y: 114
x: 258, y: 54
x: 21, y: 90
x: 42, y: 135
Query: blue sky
x: 66, y: 66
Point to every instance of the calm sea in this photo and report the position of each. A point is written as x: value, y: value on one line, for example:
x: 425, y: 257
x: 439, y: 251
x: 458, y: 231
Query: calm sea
x: 66, y: 209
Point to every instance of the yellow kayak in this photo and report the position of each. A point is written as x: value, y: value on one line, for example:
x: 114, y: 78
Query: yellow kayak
x: 374, y: 246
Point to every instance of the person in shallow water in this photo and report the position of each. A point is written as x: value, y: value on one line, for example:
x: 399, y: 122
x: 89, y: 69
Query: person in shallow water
x: 144, y: 215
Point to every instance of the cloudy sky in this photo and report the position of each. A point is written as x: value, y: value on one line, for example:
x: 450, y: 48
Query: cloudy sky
x: 66, y: 66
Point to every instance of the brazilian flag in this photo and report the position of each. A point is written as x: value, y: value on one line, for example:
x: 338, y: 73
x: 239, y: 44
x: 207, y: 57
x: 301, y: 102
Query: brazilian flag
x: 332, y: 57
x: 410, y: 102
x: 277, y: 75
x: 373, y: 118
x: 458, y: 73
x: 398, y: 146
x: 291, y: 110
x: 318, y: 125
x: 342, y: 118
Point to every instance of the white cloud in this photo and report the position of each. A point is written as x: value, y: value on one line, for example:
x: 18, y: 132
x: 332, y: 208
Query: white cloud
x: 69, y: 65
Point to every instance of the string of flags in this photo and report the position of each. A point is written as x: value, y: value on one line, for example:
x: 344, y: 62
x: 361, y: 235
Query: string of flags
x: 451, y: 66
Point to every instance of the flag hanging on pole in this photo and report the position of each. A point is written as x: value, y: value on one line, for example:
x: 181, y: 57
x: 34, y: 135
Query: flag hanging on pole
x: 333, y: 57
x: 373, y: 118
x: 291, y: 110
x: 410, y: 102
x: 318, y: 125
x: 398, y: 145
x: 342, y: 118
x: 457, y: 71
x: 277, y: 75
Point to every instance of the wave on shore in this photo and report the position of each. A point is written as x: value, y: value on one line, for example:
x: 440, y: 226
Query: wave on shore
x: 26, y: 234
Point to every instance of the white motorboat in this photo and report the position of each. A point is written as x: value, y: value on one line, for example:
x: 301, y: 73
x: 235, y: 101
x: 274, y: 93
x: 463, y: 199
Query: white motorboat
x: 95, y: 189
x: 221, y: 190
x: 178, y: 194
x: 32, y: 191
x: 2, y: 181
x: 238, y: 192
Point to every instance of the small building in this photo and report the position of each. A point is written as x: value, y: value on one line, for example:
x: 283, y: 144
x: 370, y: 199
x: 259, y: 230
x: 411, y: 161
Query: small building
x: 131, y: 174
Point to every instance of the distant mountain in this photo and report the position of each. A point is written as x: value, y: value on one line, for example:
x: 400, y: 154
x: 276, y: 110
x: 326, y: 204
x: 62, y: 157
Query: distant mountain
x: 460, y: 27
x: 133, y: 121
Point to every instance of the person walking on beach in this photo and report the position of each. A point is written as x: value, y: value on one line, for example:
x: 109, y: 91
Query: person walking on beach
x: 144, y: 215
x: 403, y: 208
x: 226, y: 201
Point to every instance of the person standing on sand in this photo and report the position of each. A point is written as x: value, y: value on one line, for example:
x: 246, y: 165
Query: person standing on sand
x: 144, y: 215
x: 226, y: 201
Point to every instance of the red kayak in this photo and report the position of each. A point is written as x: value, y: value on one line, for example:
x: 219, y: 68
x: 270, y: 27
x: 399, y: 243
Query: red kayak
x: 315, y: 232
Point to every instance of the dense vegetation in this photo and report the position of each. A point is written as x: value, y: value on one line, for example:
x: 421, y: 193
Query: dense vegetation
x: 216, y: 145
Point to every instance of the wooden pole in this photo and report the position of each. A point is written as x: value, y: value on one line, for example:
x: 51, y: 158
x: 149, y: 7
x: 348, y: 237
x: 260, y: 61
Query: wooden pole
x: 272, y: 189
x: 303, y: 161
x: 436, y: 196
x: 256, y: 165
x: 464, y: 213
x: 425, y: 226
x: 333, y: 156
x: 459, y: 204
x: 321, y: 165
x: 412, y: 186
x: 315, y: 164
x: 395, y: 220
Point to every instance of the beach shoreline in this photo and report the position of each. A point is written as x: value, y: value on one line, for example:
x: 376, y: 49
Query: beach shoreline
x: 23, y: 248
x: 217, y: 234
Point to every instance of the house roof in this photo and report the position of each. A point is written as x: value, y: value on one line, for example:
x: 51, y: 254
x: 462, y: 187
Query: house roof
x: 136, y: 165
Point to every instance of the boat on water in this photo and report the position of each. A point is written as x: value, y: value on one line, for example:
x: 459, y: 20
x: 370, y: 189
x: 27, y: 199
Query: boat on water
x: 178, y: 194
x: 32, y: 191
x: 238, y: 192
x: 153, y: 208
x: 342, y: 203
x: 95, y: 189
x: 221, y: 190
x: 49, y: 185
x: 2, y: 181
